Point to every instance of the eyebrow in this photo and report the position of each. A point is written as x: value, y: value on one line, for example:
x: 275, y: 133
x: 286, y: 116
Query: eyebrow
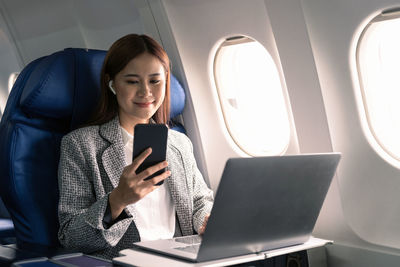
x: 136, y: 75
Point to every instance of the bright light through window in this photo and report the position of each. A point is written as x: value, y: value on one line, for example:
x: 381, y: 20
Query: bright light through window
x: 11, y: 80
x: 379, y: 69
x: 251, y: 97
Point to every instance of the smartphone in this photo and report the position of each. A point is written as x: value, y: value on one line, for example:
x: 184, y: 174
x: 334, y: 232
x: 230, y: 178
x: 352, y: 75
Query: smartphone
x: 154, y: 136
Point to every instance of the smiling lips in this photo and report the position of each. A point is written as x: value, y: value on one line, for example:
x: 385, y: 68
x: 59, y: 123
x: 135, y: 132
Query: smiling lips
x: 144, y: 104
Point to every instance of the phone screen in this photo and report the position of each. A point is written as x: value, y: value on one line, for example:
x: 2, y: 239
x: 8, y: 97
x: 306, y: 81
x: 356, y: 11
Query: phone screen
x: 154, y: 136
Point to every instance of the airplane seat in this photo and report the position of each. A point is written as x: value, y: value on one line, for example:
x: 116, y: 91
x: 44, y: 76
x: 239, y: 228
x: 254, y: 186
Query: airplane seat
x: 177, y: 105
x: 52, y: 96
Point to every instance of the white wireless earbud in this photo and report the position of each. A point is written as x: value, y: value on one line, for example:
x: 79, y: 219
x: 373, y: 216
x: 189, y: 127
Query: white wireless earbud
x: 111, y: 88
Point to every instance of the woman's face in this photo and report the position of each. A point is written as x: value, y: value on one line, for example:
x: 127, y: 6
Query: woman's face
x: 140, y: 89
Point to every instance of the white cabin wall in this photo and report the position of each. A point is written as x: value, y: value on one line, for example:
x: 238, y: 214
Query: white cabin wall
x: 52, y: 25
x: 198, y: 28
x: 101, y: 23
x: 367, y: 186
x: 308, y: 105
x: 39, y: 30
x: 301, y: 76
x: 9, y: 62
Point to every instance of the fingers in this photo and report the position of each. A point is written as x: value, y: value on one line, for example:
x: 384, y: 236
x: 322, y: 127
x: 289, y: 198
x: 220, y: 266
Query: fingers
x: 155, y: 180
x: 153, y: 169
x: 133, y: 177
x: 142, y: 177
x: 139, y: 159
x: 147, y: 186
x: 137, y: 188
x: 149, y: 171
x: 203, y: 227
x: 132, y: 186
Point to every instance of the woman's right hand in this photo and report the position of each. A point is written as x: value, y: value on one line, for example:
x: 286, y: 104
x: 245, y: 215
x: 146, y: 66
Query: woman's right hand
x: 132, y: 187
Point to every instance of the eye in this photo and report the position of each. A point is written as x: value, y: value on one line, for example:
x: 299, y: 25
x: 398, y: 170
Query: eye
x: 154, y: 81
x: 132, y: 82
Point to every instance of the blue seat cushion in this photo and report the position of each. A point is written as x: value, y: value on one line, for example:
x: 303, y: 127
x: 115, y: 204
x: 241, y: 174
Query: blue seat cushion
x: 177, y: 98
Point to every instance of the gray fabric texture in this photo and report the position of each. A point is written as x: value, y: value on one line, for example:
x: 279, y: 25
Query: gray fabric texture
x: 91, y: 163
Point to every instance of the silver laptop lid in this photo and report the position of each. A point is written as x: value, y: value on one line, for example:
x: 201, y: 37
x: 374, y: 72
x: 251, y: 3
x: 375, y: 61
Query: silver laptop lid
x: 264, y: 203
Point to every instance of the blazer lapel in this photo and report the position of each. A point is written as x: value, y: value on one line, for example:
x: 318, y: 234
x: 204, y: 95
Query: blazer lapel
x: 113, y: 157
x: 179, y: 191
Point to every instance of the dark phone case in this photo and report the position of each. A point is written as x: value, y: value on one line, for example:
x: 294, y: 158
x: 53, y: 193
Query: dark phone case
x: 154, y: 136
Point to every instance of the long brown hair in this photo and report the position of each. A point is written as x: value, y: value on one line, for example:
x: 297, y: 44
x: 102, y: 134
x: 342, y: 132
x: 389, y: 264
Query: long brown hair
x: 118, y: 56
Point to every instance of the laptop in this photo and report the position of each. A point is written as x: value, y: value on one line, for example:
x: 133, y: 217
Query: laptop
x: 262, y: 203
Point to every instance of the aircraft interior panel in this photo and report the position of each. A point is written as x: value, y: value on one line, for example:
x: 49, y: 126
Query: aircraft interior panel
x: 197, y: 43
x: 307, y: 103
x: 367, y: 182
x: 91, y: 24
x: 7, y: 53
x: 301, y: 76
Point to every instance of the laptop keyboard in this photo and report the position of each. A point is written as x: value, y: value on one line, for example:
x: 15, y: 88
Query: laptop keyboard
x: 192, y: 239
x: 191, y: 249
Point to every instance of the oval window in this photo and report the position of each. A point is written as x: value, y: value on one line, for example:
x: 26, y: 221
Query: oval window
x: 251, y: 97
x: 378, y: 63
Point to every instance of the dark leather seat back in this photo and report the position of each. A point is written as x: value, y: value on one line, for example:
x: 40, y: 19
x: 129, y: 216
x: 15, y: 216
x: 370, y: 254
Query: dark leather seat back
x: 51, y: 97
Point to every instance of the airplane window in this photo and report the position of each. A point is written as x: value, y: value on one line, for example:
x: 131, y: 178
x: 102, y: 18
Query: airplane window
x: 378, y: 61
x: 251, y: 97
x: 11, y: 80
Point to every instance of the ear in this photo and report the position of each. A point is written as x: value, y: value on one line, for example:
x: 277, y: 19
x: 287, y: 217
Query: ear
x: 111, y: 88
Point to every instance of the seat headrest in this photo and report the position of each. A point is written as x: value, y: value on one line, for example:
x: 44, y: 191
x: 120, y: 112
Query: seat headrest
x: 66, y: 85
x: 177, y: 98
x: 48, y: 92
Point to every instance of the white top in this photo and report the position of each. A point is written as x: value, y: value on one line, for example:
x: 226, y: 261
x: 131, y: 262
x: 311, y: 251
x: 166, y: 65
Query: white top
x: 155, y: 213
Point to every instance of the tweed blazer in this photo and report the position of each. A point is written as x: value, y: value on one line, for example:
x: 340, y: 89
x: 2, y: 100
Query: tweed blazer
x: 91, y: 162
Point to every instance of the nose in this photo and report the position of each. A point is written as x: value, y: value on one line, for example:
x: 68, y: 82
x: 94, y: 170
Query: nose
x: 145, y: 90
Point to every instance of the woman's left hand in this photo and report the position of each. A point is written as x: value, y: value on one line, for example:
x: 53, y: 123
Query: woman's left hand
x: 203, y: 227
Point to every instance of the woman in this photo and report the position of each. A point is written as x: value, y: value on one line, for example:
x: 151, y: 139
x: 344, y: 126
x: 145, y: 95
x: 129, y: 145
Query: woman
x: 105, y: 206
